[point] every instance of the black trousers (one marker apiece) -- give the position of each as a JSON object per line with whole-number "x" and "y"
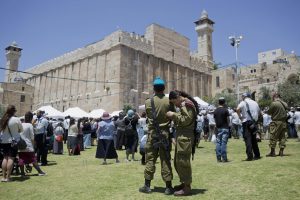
{"x": 65, "y": 136}
{"x": 120, "y": 139}
{"x": 250, "y": 142}
{"x": 41, "y": 148}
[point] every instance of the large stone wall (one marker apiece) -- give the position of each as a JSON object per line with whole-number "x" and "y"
{"x": 139, "y": 69}
{"x": 80, "y": 83}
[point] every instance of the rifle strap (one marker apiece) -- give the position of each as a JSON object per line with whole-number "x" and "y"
{"x": 248, "y": 111}
{"x": 156, "y": 125}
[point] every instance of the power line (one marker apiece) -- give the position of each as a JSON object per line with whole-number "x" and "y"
{"x": 94, "y": 81}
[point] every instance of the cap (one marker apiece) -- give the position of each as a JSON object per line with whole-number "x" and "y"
{"x": 246, "y": 94}
{"x": 221, "y": 98}
{"x": 158, "y": 81}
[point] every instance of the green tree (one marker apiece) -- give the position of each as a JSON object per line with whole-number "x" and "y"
{"x": 216, "y": 65}
{"x": 208, "y": 99}
{"x": 265, "y": 99}
{"x": 127, "y": 107}
{"x": 290, "y": 92}
{"x": 229, "y": 96}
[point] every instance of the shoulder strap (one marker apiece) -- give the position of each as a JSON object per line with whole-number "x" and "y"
{"x": 156, "y": 125}
{"x": 248, "y": 111}
{"x": 282, "y": 105}
{"x": 10, "y": 132}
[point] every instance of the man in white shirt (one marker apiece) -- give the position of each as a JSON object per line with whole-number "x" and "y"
{"x": 266, "y": 123}
{"x": 66, "y": 128}
{"x": 248, "y": 111}
{"x": 40, "y": 126}
{"x": 236, "y": 123}
{"x": 297, "y": 122}
{"x": 291, "y": 123}
{"x": 212, "y": 124}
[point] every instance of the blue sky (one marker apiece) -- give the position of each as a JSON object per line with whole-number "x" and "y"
{"x": 48, "y": 28}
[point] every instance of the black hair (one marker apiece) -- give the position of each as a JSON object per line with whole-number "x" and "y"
{"x": 72, "y": 121}
{"x": 176, "y": 93}
{"x": 10, "y": 112}
{"x": 159, "y": 88}
{"x": 221, "y": 102}
{"x": 28, "y": 117}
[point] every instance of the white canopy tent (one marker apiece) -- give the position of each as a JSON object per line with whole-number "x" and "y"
{"x": 51, "y": 112}
{"x": 201, "y": 102}
{"x": 75, "y": 113}
{"x": 116, "y": 113}
{"x": 97, "y": 113}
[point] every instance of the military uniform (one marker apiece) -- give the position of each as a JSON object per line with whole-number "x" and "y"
{"x": 185, "y": 124}
{"x": 278, "y": 126}
{"x": 162, "y": 106}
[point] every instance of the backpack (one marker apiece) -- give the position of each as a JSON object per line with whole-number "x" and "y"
{"x": 129, "y": 126}
{"x": 198, "y": 127}
{"x": 129, "y": 131}
{"x": 49, "y": 130}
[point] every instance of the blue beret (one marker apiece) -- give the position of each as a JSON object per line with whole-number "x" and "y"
{"x": 158, "y": 81}
{"x": 130, "y": 113}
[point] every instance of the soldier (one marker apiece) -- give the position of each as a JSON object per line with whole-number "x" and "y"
{"x": 184, "y": 121}
{"x": 162, "y": 106}
{"x": 278, "y": 126}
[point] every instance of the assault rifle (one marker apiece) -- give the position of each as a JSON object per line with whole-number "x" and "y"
{"x": 159, "y": 140}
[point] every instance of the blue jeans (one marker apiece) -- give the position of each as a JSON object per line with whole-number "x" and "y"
{"x": 221, "y": 146}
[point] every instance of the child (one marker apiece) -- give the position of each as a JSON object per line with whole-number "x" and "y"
{"x": 142, "y": 148}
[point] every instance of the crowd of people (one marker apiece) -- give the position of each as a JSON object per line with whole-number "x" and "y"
{"x": 176, "y": 121}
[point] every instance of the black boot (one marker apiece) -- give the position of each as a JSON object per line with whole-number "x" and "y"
{"x": 179, "y": 187}
{"x": 146, "y": 187}
{"x": 169, "y": 189}
{"x": 272, "y": 153}
{"x": 281, "y": 152}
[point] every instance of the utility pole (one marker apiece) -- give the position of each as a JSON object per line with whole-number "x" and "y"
{"x": 235, "y": 42}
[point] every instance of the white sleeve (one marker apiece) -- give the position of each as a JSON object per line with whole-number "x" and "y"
{"x": 31, "y": 132}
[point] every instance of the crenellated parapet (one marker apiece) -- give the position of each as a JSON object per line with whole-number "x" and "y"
{"x": 136, "y": 41}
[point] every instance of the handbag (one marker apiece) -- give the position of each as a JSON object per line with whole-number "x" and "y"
{"x": 17, "y": 145}
{"x": 59, "y": 138}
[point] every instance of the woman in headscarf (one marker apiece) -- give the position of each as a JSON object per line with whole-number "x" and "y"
{"x": 10, "y": 129}
{"x": 131, "y": 134}
{"x": 58, "y": 147}
{"x": 105, "y": 132}
{"x": 185, "y": 121}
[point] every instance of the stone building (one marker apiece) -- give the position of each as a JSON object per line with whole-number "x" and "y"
{"x": 120, "y": 68}
{"x": 18, "y": 94}
{"x": 269, "y": 72}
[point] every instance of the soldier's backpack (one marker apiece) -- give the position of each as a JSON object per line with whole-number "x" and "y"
{"x": 129, "y": 131}
{"x": 49, "y": 130}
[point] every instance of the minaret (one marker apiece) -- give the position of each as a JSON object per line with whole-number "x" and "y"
{"x": 13, "y": 53}
{"x": 204, "y": 28}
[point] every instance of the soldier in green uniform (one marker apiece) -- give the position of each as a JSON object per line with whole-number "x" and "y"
{"x": 185, "y": 126}
{"x": 278, "y": 126}
{"x": 162, "y": 106}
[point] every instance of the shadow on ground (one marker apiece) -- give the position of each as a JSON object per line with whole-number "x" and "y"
{"x": 195, "y": 191}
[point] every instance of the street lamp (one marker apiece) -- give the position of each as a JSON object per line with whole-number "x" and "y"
{"x": 235, "y": 42}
